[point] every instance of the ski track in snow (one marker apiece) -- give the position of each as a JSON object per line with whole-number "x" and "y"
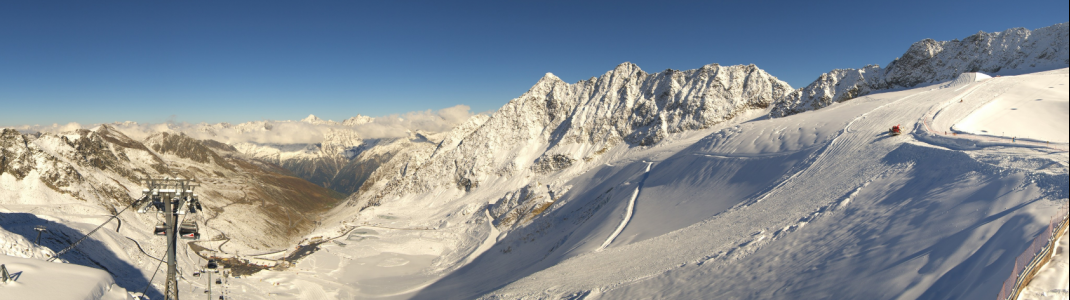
{"x": 628, "y": 213}
{"x": 310, "y": 291}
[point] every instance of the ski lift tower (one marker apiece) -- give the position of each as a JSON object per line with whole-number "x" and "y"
{"x": 171, "y": 196}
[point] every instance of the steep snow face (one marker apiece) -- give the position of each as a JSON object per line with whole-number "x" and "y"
{"x": 929, "y": 61}
{"x": 556, "y": 124}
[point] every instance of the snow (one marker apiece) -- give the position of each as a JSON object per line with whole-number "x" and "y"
{"x": 633, "y": 185}
{"x": 627, "y": 213}
{"x": 821, "y": 204}
{"x": 1011, "y": 52}
{"x": 1052, "y": 281}
{"x": 1037, "y": 100}
{"x": 789, "y": 216}
{"x": 38, "y": 279}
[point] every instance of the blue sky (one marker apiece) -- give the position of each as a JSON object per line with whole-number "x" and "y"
{"x": 235, "y": 61}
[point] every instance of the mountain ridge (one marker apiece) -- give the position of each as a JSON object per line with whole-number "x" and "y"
{"x": 929, "y": 61}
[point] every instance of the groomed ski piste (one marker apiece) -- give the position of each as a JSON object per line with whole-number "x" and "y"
{"x": 819, "y": 205}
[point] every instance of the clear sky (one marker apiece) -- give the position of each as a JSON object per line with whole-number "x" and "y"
{"x": 236, "y": 61}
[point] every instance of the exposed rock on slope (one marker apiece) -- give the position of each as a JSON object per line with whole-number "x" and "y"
{"x": 555, "y": 123}
{"x": 929, "y": 61}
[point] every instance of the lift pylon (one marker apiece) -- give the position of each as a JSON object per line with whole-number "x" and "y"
{"x": 171, "y": 197}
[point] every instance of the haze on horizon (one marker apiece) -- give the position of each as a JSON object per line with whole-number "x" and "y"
{"x": 239, "y": 61}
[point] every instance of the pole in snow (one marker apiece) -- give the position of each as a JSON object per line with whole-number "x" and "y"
{"x": 40, "y": 229}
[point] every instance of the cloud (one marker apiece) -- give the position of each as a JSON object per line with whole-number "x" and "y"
{"x": 394, "y": 126}
{"x": 54, "y": 128}
{"x": 291, "y": 132}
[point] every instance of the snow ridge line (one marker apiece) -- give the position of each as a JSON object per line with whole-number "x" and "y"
{"x": 628, "y": 213}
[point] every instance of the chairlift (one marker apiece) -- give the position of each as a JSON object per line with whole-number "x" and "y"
{"x": 196, "y": 274}
{"x": 211, "y": 264}
{"x": 189, "y": 230}
{"x": 218, "y": 281}
{"x": 161, "y": 228}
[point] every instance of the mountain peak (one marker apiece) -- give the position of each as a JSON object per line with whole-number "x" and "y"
{"x": 548, "y": 79}
{"x": 626, "y": 68}
{"x": 311, "y": 119}
{"x": 357, "y": 120}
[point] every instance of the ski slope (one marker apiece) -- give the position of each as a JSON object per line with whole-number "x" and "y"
{"x": 819, "y": 205}
{"x": 38, "y": 279}
{"x": 1032, "y": 109}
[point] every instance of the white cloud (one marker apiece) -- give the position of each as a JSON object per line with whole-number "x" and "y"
{"x": 290, "y": 132}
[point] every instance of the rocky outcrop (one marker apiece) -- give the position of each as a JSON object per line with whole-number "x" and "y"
{"x": 554, "y": 123}
{"x": 929, "y": 61}
{"x": 185, "y": 147}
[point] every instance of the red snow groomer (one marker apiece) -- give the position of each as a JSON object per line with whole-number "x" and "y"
{"x": 895, "y": 131}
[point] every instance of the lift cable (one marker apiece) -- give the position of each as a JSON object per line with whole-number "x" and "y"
{"x": 153, "y": 277}
{"x": 75, "y": 244}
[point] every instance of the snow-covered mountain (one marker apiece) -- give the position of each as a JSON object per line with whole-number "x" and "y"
{"x": 81, "y": 175}
{"x": 674, "y": 184}
{"x": 320, "y": 162}
{"x": 556, "y": 125}
{"x": 551, "y": 170}
{"x": 324, "y": 152}
{"x": 929, "y": 61}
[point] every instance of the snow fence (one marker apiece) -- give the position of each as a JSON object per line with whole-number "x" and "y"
{"x": 1039, "y": 253}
